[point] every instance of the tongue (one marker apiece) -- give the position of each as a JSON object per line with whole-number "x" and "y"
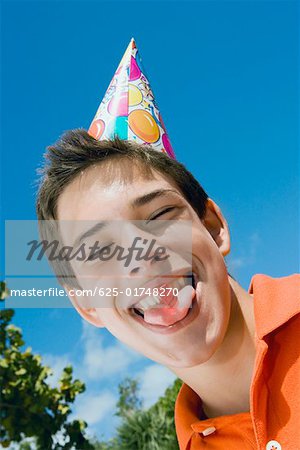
{"x": 171, "y": 309}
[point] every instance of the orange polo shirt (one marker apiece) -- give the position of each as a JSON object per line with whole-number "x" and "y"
{"x": 273, "y": 422}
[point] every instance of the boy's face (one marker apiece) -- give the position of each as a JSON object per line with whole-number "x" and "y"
{"x": 176, "y": 337}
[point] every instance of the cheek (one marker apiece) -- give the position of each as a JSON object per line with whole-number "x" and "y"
{"x": 121, "y": 329}
{"x": 212, "y": 265}
{"x": 113, "y": 322}
{"x": 216, "y": 305}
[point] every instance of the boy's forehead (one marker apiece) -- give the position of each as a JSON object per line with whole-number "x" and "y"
{"x": 97, "y": 195}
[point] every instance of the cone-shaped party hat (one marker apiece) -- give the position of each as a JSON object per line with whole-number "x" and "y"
{"x": 128, "y": 109}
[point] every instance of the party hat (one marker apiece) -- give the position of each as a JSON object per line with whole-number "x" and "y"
{"x": 128, "y": 109}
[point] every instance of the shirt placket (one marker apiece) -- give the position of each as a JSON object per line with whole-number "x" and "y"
{"x": 258, "y": 397}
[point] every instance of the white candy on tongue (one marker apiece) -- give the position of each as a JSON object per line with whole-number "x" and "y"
{"x": 171, "y": 309}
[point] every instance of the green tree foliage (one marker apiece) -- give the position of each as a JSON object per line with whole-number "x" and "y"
{"x": 151, "y": 429}
{"x": 129, "y": 401}
{"x": 144, "y": 429}
{"x": 29, "y": 406}
{"x": 4, "y": 292}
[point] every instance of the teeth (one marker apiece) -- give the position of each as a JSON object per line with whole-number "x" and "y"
{"x": 150, "y": 302}
{"x": 180, "y": 283}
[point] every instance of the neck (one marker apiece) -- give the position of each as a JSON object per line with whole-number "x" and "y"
{"x": 223, "y": 382}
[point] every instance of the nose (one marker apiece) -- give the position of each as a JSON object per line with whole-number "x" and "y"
{"x": 141, "y": 269}
{"x": 144, "y": 254}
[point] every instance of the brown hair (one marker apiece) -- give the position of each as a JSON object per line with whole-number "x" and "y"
{"x": 76, "y": 151}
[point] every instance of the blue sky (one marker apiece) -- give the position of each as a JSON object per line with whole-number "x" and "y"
{"x": 225, "y": 78}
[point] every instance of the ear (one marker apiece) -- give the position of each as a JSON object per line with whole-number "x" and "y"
{"x": 89, "y": 314}
{"x": 216, "y": 225}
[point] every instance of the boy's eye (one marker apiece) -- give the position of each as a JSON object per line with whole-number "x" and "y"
{"x": 161, "y": 213}
{"x": 96, "y": 254}
{"x": 158, "y": 223}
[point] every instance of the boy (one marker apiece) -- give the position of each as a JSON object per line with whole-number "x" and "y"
{"x": 237, "y": 352}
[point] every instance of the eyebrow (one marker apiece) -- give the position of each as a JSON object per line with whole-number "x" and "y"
{"x": 97, "y": 227}
{"x": 147, "y": 198}
{"x": 136, "y": 203}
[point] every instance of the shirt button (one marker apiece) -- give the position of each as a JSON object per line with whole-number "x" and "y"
{"x": 208, "y": 431}
{"x": 273, "y": 445}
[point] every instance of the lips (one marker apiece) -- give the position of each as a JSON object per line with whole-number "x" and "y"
{"x": 164, "y": 311}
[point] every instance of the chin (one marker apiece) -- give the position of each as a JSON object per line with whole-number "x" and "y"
{"x": 188, "y": 358}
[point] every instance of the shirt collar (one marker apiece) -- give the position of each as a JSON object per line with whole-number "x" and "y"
{"x": 276, "y": 300}
{"x": 188, "y": 409}
{"x": 187, "y": 412}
